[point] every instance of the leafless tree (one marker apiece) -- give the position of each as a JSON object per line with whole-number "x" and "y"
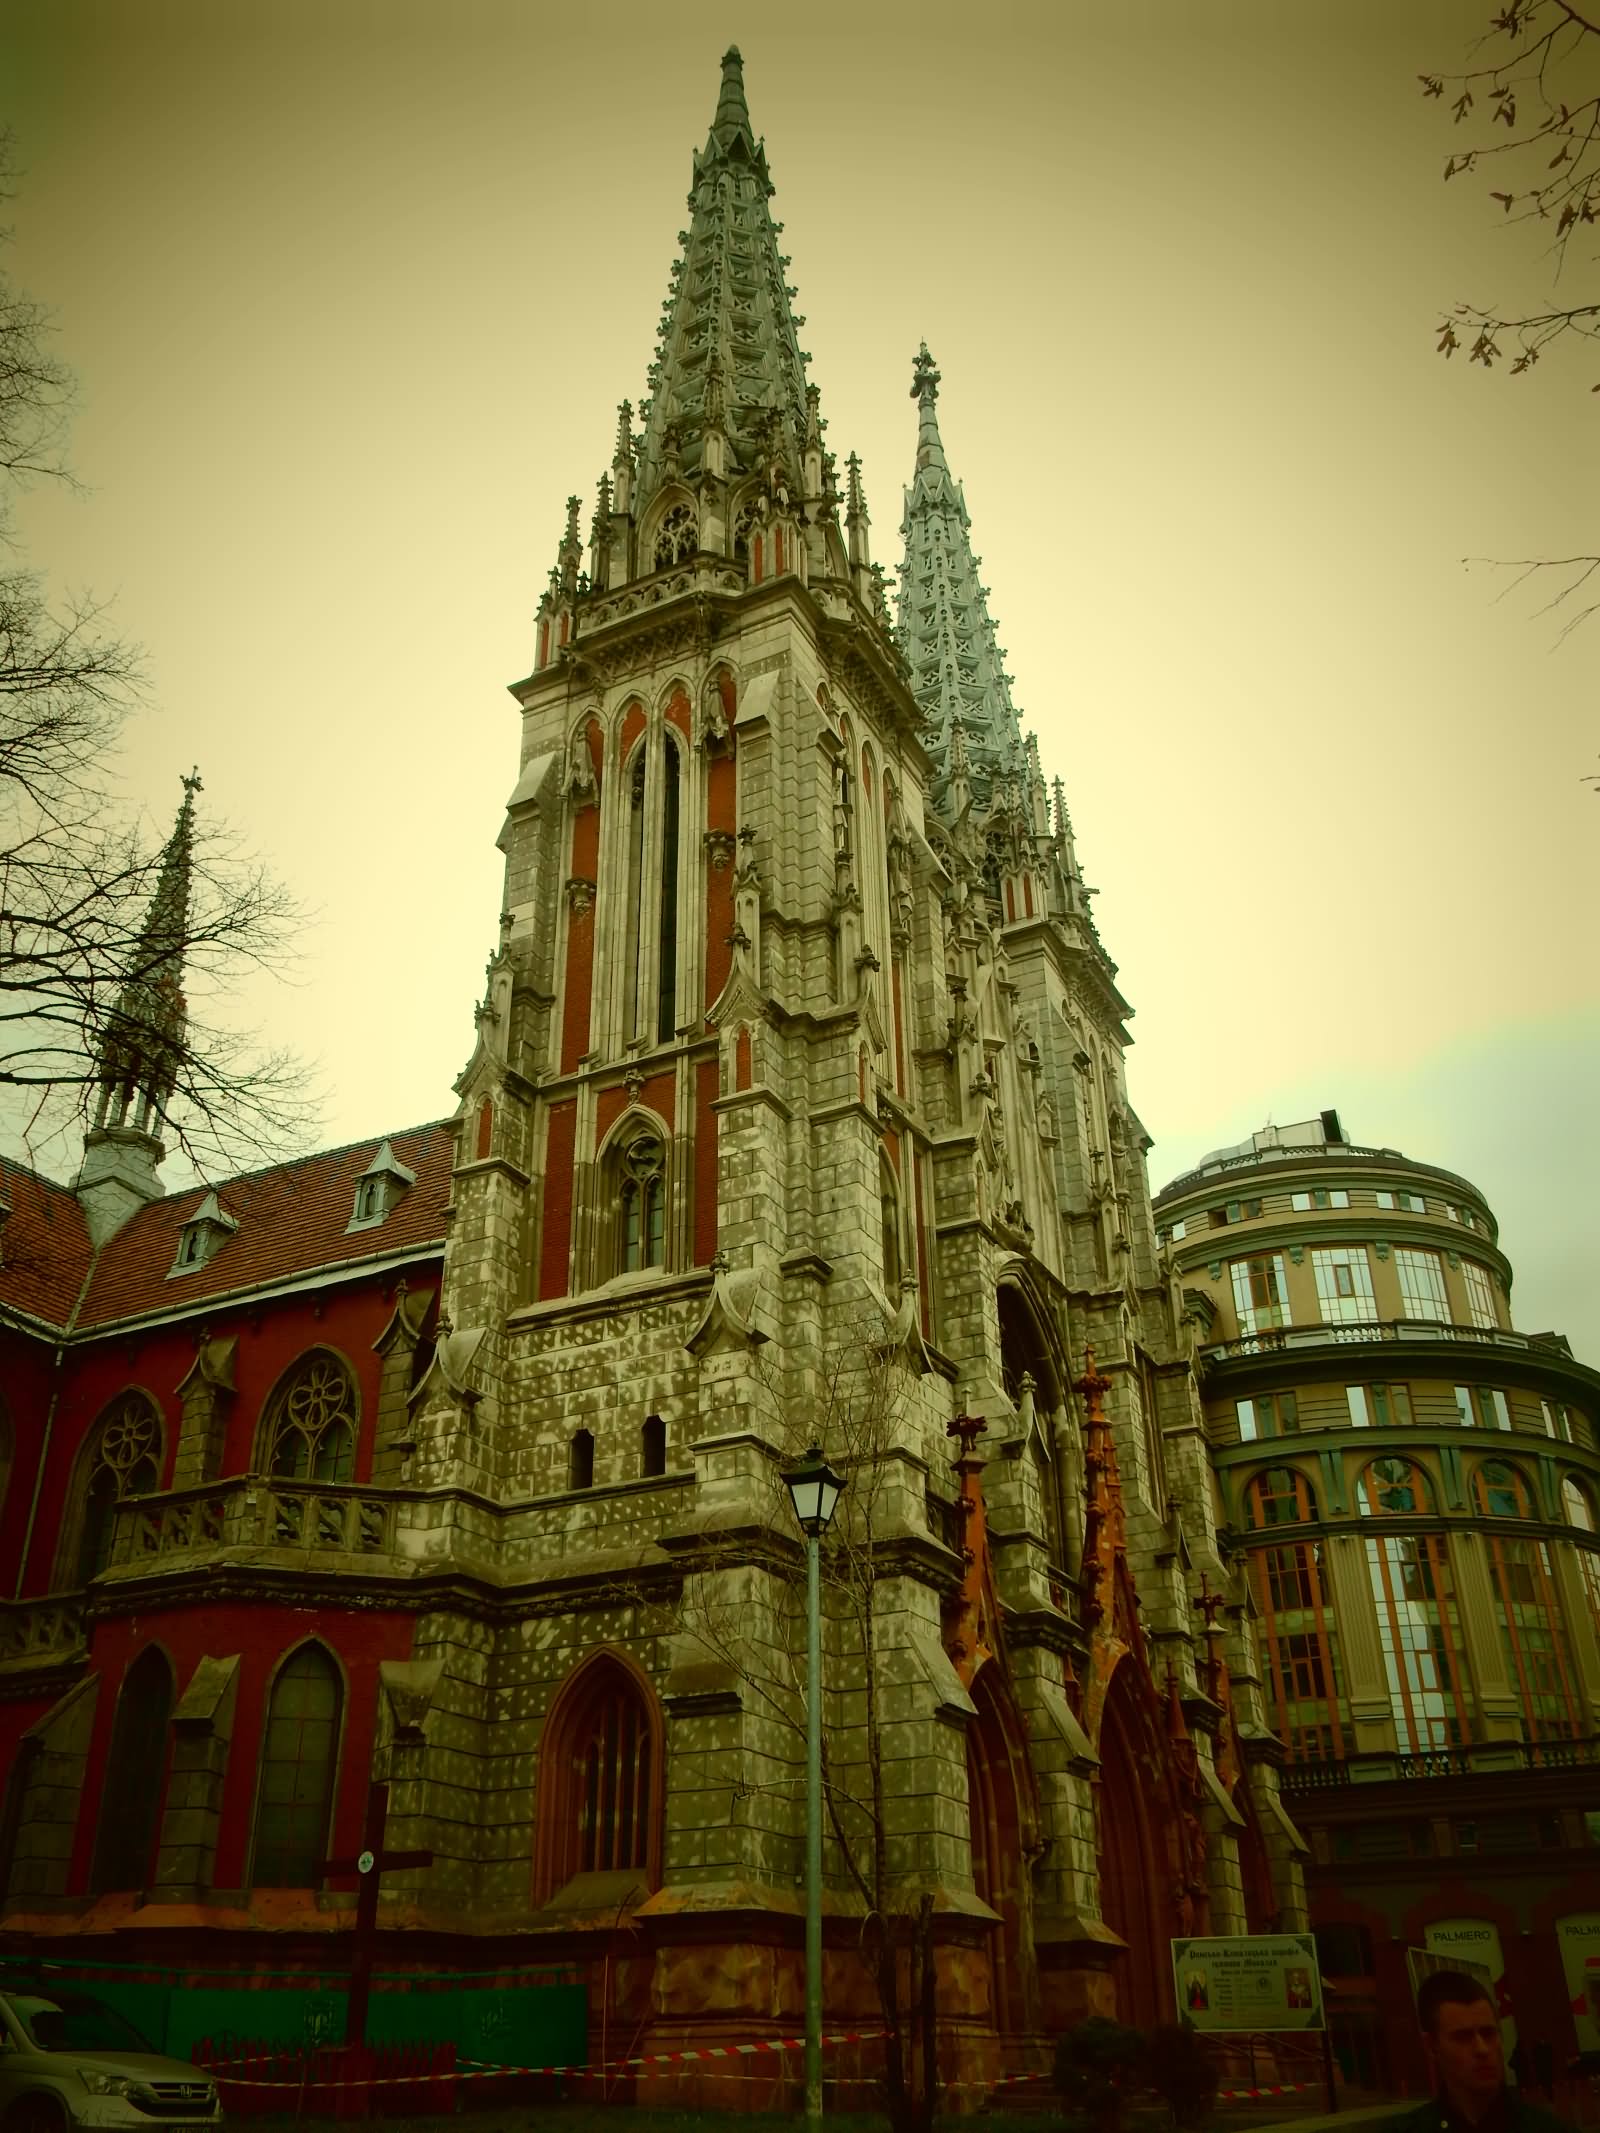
{"x": 1529, "y": 100}
{"x": 79, "y": 962}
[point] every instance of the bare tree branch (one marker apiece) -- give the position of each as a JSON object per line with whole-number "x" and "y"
{"x": 78, "y": 963}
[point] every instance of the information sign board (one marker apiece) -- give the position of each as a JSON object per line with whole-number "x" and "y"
{"x": 1254, "y": 1981}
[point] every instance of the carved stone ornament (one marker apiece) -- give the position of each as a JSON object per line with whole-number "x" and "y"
{"x": 720, "y": 846}
{"x": 580, "y": 895}
{"x": 713, "y": 735}
{"x": 580, "y": 770}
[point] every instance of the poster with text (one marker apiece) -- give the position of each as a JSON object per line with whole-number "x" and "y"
{"x": 1579, "y": 1938}
{"x": 1254, "y": 1981}
{"x": 1477, "y": 1941}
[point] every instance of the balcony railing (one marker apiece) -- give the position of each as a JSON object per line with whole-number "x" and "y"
{"x": 1307, "y": 1152}
{"x": 252, "y": 1511}
{"x": 1282, "y": 1340}
{"x": 1483, "y": 1757}
{"x": 39, "y": 1629}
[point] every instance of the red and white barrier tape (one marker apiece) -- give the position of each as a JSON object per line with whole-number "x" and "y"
{"x": 490, "y": 2069}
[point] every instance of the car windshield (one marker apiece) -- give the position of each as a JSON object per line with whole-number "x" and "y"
{"x": 72, "y": 2022}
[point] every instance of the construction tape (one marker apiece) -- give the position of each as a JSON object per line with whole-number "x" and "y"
{"x": 490, "y": 2069}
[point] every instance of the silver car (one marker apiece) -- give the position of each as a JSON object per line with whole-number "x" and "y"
{"x": 69, "y": 2060}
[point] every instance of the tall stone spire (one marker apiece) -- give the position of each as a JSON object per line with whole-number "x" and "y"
{"x": 141, "y": 1046}
{"x": 728, "y": 357}
{"x": 946, "y": 634}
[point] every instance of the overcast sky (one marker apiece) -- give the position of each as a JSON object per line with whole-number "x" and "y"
{"x": 352, "y": 292}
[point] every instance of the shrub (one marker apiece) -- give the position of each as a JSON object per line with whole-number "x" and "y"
{"x": 1181, "y": 2071}
{"x": 1097, "y": 2063}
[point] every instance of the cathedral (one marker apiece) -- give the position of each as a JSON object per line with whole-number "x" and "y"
{"x": 445, "y": 1471}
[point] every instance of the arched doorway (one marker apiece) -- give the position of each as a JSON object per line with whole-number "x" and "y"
{"x": 1132, "y": 1863}
{"x": 1003, "y": 1825}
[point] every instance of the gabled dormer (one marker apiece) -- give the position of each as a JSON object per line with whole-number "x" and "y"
{"x": 381, "y": 1186}
{"x": 202, "y": 1236}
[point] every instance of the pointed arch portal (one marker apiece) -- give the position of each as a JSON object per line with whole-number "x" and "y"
{"x": 1003, "y": 1827}
{"x": 1132, "y": 1862}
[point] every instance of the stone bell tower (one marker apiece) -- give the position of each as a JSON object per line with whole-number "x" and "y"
{"x": 796, "y": 1114}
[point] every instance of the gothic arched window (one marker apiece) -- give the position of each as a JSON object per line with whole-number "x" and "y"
{"x": 677, "y": 537}
{"x": 652, "y": 1446}
{"x": 122, "y": 1459}
{"x": 130, "y": 1800}
{"x": 650, "y": 930}
{"x": 1281, "y": 1496}
{"x": 1391, "y": 1487}
{"x": 599, "y": 1807}
{"x": 889, "y": 1226}
{"x": 299, "y": 1759}
{"x": 310, "y": 1433}
{"x": 642, "y": 1204}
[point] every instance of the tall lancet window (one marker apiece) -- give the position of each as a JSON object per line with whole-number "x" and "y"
{"x": 650, "y": 943}
{"x": 667, "y": 957}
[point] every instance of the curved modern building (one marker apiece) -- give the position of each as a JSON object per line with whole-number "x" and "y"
{"x": 1410, "y": 1489}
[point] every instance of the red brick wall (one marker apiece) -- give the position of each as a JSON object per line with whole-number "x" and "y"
{"x": 557, "y": 1242}
{"x": 262, "y": 1636}
{"x": 270, "y": 1336}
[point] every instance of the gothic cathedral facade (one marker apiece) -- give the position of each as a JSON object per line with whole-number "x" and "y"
{"x": 797, "y": 1113}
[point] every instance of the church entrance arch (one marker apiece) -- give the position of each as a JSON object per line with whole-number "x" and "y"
{"x": 1003, "y": 1826}
{"x": 1132, "y": 1860}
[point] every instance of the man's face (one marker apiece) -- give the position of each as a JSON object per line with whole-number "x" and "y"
{"x": 1466, "y": 2051}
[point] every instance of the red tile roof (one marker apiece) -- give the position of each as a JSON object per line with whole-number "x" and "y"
{"x": 292, "y": 1220}
{"x": 44, "y": 1244}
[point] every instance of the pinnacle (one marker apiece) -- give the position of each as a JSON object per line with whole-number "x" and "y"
{"x": 733, "y": 114}
{"x": 728, "y": 357}
{"x": 925, "y": 391}
{"x": 946, "y": 632}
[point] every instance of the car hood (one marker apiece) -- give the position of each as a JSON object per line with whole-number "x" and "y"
{"x": 133, "y": 2066}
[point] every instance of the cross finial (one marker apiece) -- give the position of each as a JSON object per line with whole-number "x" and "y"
{"x": 191, "y": 783}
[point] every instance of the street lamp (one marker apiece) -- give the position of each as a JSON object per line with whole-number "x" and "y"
{"x": 814, "y": 1490}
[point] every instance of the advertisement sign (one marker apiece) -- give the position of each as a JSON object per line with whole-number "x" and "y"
{"x": 1255, "y": 1981}
{"x": 1465, "y": 1941}
{"x": 1579, "y": 1939}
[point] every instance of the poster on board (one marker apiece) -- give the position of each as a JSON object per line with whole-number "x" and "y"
{"x": 1254, "y": 1981}
{"x": 1579, "y": 1938}
{"x": 1465, "y": 1941}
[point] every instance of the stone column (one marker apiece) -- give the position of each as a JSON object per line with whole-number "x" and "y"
{"x": 1355, "y": 1616}
{"x": 1498, "y": 1704}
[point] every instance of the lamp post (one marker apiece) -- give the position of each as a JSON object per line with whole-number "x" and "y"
{"x": 814, "y": 1490}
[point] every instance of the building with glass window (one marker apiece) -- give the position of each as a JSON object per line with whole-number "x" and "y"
{"x": 1409, "y": 1487}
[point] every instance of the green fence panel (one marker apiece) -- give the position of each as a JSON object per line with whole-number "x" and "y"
{"x": 273, "y": 2016}
{"x": 527, "y": 2025}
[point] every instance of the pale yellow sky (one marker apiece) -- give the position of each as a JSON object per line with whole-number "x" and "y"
{"x": 353, "y": 291}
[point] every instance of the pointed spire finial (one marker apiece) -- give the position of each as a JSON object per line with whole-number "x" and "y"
{"x": 733, "y": 113}
{"x": 925, "y": 391}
